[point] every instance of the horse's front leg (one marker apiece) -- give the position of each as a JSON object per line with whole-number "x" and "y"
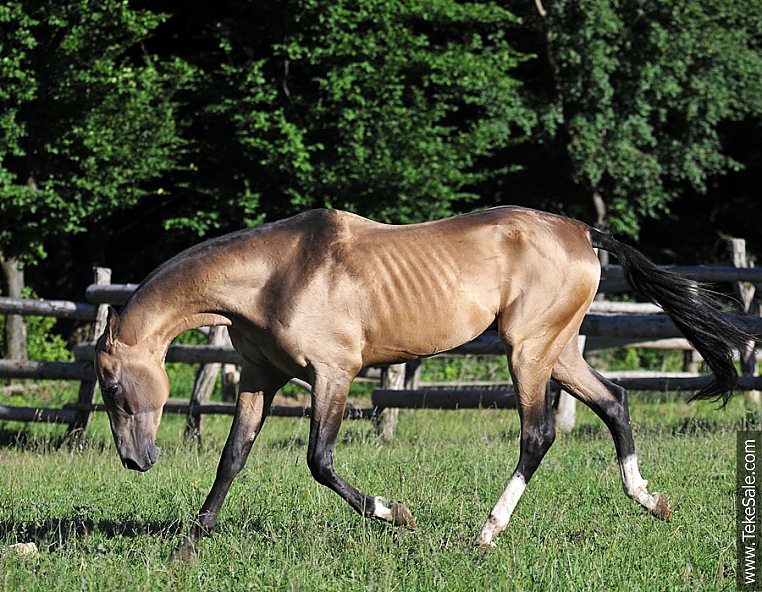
{"x": 257, "y": 389}
{"x": 329, "y": 396}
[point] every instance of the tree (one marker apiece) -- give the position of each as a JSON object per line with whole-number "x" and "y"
{"x": 634, "y": 95}
{"x": 407, "y": 98}
{"x": 86, "y": 121}
{"x": 387, "y": 108}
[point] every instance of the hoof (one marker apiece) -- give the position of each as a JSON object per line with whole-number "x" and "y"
{"x": 401, "y": 516}
{"x": 185, "y": 553}
{"x": 662, "y": 509}
{"x": 481, "y": 543}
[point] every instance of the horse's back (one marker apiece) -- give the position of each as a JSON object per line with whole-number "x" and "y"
{"x": 420, "y": 289}
{"x": 330, "y": 284}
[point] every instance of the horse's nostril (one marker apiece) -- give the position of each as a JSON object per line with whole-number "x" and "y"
{"x": 154, "y": 452}
{"x": 129, "y": 463}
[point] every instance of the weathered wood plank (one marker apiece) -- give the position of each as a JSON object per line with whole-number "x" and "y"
{"x": 700, "y": 273}
{"x": 28, "y": 414}
{"x": 62, "y": 309}
{"x": 184, "y": 407}
{"x": 109, "y": 293}
{"x": 443, "y": 399}
{"x": 23, "y": 369}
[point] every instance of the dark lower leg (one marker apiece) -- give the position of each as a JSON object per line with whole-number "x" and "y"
{"x": 251, "y": 410}
{"x": 610, "y": 403}
{"x": 328, "y": 402}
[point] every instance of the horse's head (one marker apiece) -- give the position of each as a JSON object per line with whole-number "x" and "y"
{"x": 134, "y": 387}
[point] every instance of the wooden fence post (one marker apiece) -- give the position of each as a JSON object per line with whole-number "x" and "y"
{"x": 88, "y": 388}
{"x": 566, "y": 405}
{"x": 747, "y": 294}
{"x": 396, "y": 378}
{"x": 392, "y": 378}
{"x": 206, "y": 378}
{"x": 230, "y": 379}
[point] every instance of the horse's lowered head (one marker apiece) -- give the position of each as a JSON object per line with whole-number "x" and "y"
{"x": 134, "y": 387}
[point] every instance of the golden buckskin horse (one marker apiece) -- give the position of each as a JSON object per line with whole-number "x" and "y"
{"x": 325, "y": 293}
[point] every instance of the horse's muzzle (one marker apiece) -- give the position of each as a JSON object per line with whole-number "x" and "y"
{"x": 142, "y": 462}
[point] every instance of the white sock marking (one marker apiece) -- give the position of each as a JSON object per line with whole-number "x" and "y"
{"x": 634, "y": 485}
{"x": 382, "y": 509}
{"x": 502, "y": 512}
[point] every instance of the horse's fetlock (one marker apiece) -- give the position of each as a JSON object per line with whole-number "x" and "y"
{"x": 186, "y": 552}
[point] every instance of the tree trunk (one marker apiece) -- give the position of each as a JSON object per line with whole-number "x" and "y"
{"x": 15, "y": 327}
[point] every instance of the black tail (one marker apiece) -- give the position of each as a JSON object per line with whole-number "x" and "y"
{"x": 693, "y": 313}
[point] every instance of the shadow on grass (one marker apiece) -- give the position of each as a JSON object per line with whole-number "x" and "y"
{"x": 55, "y": 532}
{"x": 28, "y": 439}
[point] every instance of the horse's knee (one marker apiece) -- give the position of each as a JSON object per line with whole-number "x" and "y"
{"x": 536, "y": 440}
{"x": 321, "y": 466}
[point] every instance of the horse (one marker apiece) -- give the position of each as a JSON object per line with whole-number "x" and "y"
{"x": 325, "y": 293}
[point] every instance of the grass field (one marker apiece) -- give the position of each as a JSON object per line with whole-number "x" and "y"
{"x": 100, "y": 527}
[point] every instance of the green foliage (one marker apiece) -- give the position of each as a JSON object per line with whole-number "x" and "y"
{"x": 220, "y": 115}
{"x": 642, "y": 89}
{"x": 385, "y": 108}
{"x": 473, "y": 368}
{"x": 408, "y": 96}
{"x": 43, "y": 343}
{"x": 87, "y": 119}
{"x": 633, "y": 358}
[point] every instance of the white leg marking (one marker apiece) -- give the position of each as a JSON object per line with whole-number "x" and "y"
{"x": 634, "y": 485}
{"x": 632, "y": 482}
{"x": 500, "y": 515}
{"x": 383, "y": 509}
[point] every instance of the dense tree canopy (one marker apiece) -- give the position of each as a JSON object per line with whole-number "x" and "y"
{"x": 145, "y": 125}
{"x": 642, "y": 88}
{"x": 86, "y": 122}
{"x": 381, "y": 107}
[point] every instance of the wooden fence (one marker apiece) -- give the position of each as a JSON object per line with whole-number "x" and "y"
{"x": 607, "y": 324}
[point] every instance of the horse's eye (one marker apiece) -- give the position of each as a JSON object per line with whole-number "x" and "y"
{"x": 111, "y": 390}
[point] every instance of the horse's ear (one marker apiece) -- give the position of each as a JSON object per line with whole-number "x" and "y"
{"x": 112, "y": 327}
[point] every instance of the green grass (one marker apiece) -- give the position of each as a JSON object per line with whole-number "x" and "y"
{"x": 100, "y": 527}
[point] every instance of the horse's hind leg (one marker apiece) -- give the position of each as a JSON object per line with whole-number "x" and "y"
{"x": 609, "y": 402}
{"x": 329, "y": 395}
{"x": 537, "y": 435}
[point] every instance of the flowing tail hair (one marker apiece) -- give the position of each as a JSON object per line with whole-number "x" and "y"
{"x": 695, "y": 315}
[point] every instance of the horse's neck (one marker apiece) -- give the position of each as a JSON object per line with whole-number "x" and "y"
{"x": 153, "y": 320}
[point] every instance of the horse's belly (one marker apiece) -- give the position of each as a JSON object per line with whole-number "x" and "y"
{"x": 423, "y": 331}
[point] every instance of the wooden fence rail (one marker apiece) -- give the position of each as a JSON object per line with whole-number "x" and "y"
{"x": 606, "y": 324}
{"x": 632, "y": 328}
{"x": 62, "y": 309}
{"x": 26, "y": 369}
